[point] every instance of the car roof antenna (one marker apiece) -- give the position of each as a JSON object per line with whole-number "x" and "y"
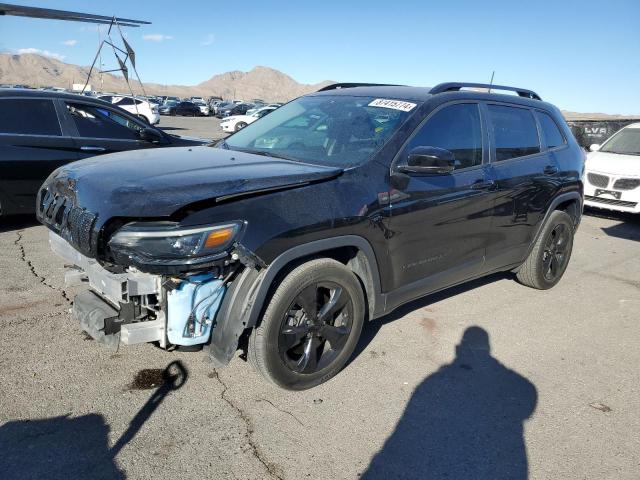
{"x": 491, "y": 81}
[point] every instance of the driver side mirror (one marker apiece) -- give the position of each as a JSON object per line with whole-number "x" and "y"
{"x": 427, "y": 161}
{"x": 150, "y": 135}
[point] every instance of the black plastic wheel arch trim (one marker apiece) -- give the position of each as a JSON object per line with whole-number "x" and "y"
{"x": 245, "y": 299}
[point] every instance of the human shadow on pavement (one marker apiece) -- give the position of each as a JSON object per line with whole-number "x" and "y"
{"x": 67, "y": 447}
{"x": 463, "y": 421}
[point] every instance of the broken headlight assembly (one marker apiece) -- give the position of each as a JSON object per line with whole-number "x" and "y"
{"x": 165, "y": 243}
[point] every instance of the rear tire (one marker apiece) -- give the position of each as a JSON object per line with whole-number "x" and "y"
{"x": 550, "y": 256}
{"x": 317, "y": 302}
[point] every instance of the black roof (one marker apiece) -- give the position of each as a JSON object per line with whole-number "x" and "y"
{"x": 402, "y": 92}
{"x": 422, "y": 94}
{"x": 30, "y": 93}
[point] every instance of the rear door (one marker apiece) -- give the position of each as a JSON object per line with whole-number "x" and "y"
{"x": 526, "y": 176}
{"x": 99, "y": 129}
{"x": 32, "y": 145}
{"x": 439, "y": 223}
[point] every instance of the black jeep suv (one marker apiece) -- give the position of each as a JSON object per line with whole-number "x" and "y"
{"x": 334, "y": 209}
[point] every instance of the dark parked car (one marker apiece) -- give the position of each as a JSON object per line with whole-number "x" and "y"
{"x": 233, "y": 109}
{"x": 43, "y": 130}
{"x": 187, "y": 109}
{"x": 334, "y": 209}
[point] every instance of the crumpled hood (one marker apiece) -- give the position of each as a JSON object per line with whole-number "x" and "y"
{"x": 613, "y": 164}
{"x": 157, "y": 182}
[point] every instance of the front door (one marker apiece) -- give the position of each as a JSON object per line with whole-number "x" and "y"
{"x": 103, "y": 130}
{"x": 439, "y": 223}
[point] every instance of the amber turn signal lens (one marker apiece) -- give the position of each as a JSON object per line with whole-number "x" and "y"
{"x": 219, "y": 237}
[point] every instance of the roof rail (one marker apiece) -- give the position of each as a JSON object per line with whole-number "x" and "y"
{"x": 337, "y": 86}
{"x": 456, "y": 86}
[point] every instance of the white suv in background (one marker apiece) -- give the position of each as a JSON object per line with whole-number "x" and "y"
{"x": 238, "y": 122}
{"x": 613, "y": 172}
{"x": 137, "y": 106}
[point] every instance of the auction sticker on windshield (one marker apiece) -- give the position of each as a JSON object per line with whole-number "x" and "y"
{"x": 394, "y": 104}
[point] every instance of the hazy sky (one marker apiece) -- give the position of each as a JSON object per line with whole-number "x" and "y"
{"x": 581, "y": 55}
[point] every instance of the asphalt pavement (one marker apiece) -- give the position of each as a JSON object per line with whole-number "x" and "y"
{"x": 488, "y": 380}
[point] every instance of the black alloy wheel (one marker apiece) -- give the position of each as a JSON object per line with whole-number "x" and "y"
{"x": 310, "y": 327}
{"x": 554, "y": 256}
{"x": 316, "y": 327}
{"x": 549, "y": 257}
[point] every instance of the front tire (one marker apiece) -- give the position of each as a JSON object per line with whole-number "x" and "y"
{"x": 550, "y": 256}
{"x": 240, "y": 126}
{"x": 311, "y": 326}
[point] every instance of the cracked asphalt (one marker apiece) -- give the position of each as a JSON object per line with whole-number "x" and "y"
{"x": 545, "y": 385}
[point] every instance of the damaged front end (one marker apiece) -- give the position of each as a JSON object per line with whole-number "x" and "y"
{"x": 177, "y": 308}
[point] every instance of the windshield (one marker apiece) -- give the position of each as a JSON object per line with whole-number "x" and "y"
{"x": 626, "y": 141}
{"x": 328, "y": 130}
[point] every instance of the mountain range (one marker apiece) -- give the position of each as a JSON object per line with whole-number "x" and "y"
{"x": 260, "y": 82}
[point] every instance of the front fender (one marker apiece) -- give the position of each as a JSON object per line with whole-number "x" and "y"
{"x": 245, "y": 299}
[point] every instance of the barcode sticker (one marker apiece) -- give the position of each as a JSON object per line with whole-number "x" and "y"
{"x": 394, "y": 104}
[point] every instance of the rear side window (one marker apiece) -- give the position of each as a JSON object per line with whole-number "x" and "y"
{"x": 550, "y": 130}
{"x": 515, "y": 132}
{"x": 455, "y": 128}
{"x": 99, "y": 122}
{"x": 28, "y": 116}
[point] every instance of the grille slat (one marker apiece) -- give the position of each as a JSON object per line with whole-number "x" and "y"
{"x": 598, "y": 180}
{"x": 73, "y": 223}
{"x": 627, "y": 183}
{"x": 611, "y": 201}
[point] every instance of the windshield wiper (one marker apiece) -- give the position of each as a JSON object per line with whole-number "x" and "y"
{"x": 265, "y": 153}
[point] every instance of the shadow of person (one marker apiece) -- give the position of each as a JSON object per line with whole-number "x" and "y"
{"x": 76, "y": 447}
{"x": 57, "y": 448}
{"x": 463, "y": 422}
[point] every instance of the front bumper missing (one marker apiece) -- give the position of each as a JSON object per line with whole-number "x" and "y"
{"x": 98, "y": 310}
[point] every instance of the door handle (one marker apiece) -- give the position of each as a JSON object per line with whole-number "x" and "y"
{"x": 89, "y": 148}
{"x": 550, "y": 170}
{"x": 483, "y": 185}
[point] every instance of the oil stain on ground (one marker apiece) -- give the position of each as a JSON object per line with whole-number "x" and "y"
{"x": 147, "y": 379}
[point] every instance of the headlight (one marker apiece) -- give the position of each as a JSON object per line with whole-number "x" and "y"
{"x": 170, "y": 244}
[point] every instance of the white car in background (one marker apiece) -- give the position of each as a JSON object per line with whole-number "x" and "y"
{"x": 612, "y": 172}
{"x": 204, "y": 108}
{"x": 254, "y": 110}
{"x": 238, "y": 122}
{"x": 139, "y": 107}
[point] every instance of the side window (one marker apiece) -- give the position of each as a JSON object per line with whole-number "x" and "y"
{"x": 124, "y": 101}
{"x": 515, "y": 132}
{"x": 456, "y": 128}
{"x": 552, "y": 135}
{"x": 28, "y": 116}
{"x": 98, "y": 122}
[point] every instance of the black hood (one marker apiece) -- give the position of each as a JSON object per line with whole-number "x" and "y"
{"x": 158, "y": 182}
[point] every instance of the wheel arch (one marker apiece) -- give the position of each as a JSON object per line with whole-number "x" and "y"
{"x": 570, "y": 202}
{"x": 247, "y": 296}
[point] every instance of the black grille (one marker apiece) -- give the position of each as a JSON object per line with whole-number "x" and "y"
{"x": 71, "y": 222}
{"x": 598, "y": 180}
{"x": 627, "y": 183}
{"x": 611, "y": 201}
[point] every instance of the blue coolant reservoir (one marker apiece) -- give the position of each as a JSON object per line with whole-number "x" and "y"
{"x": 192, "y": 309}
